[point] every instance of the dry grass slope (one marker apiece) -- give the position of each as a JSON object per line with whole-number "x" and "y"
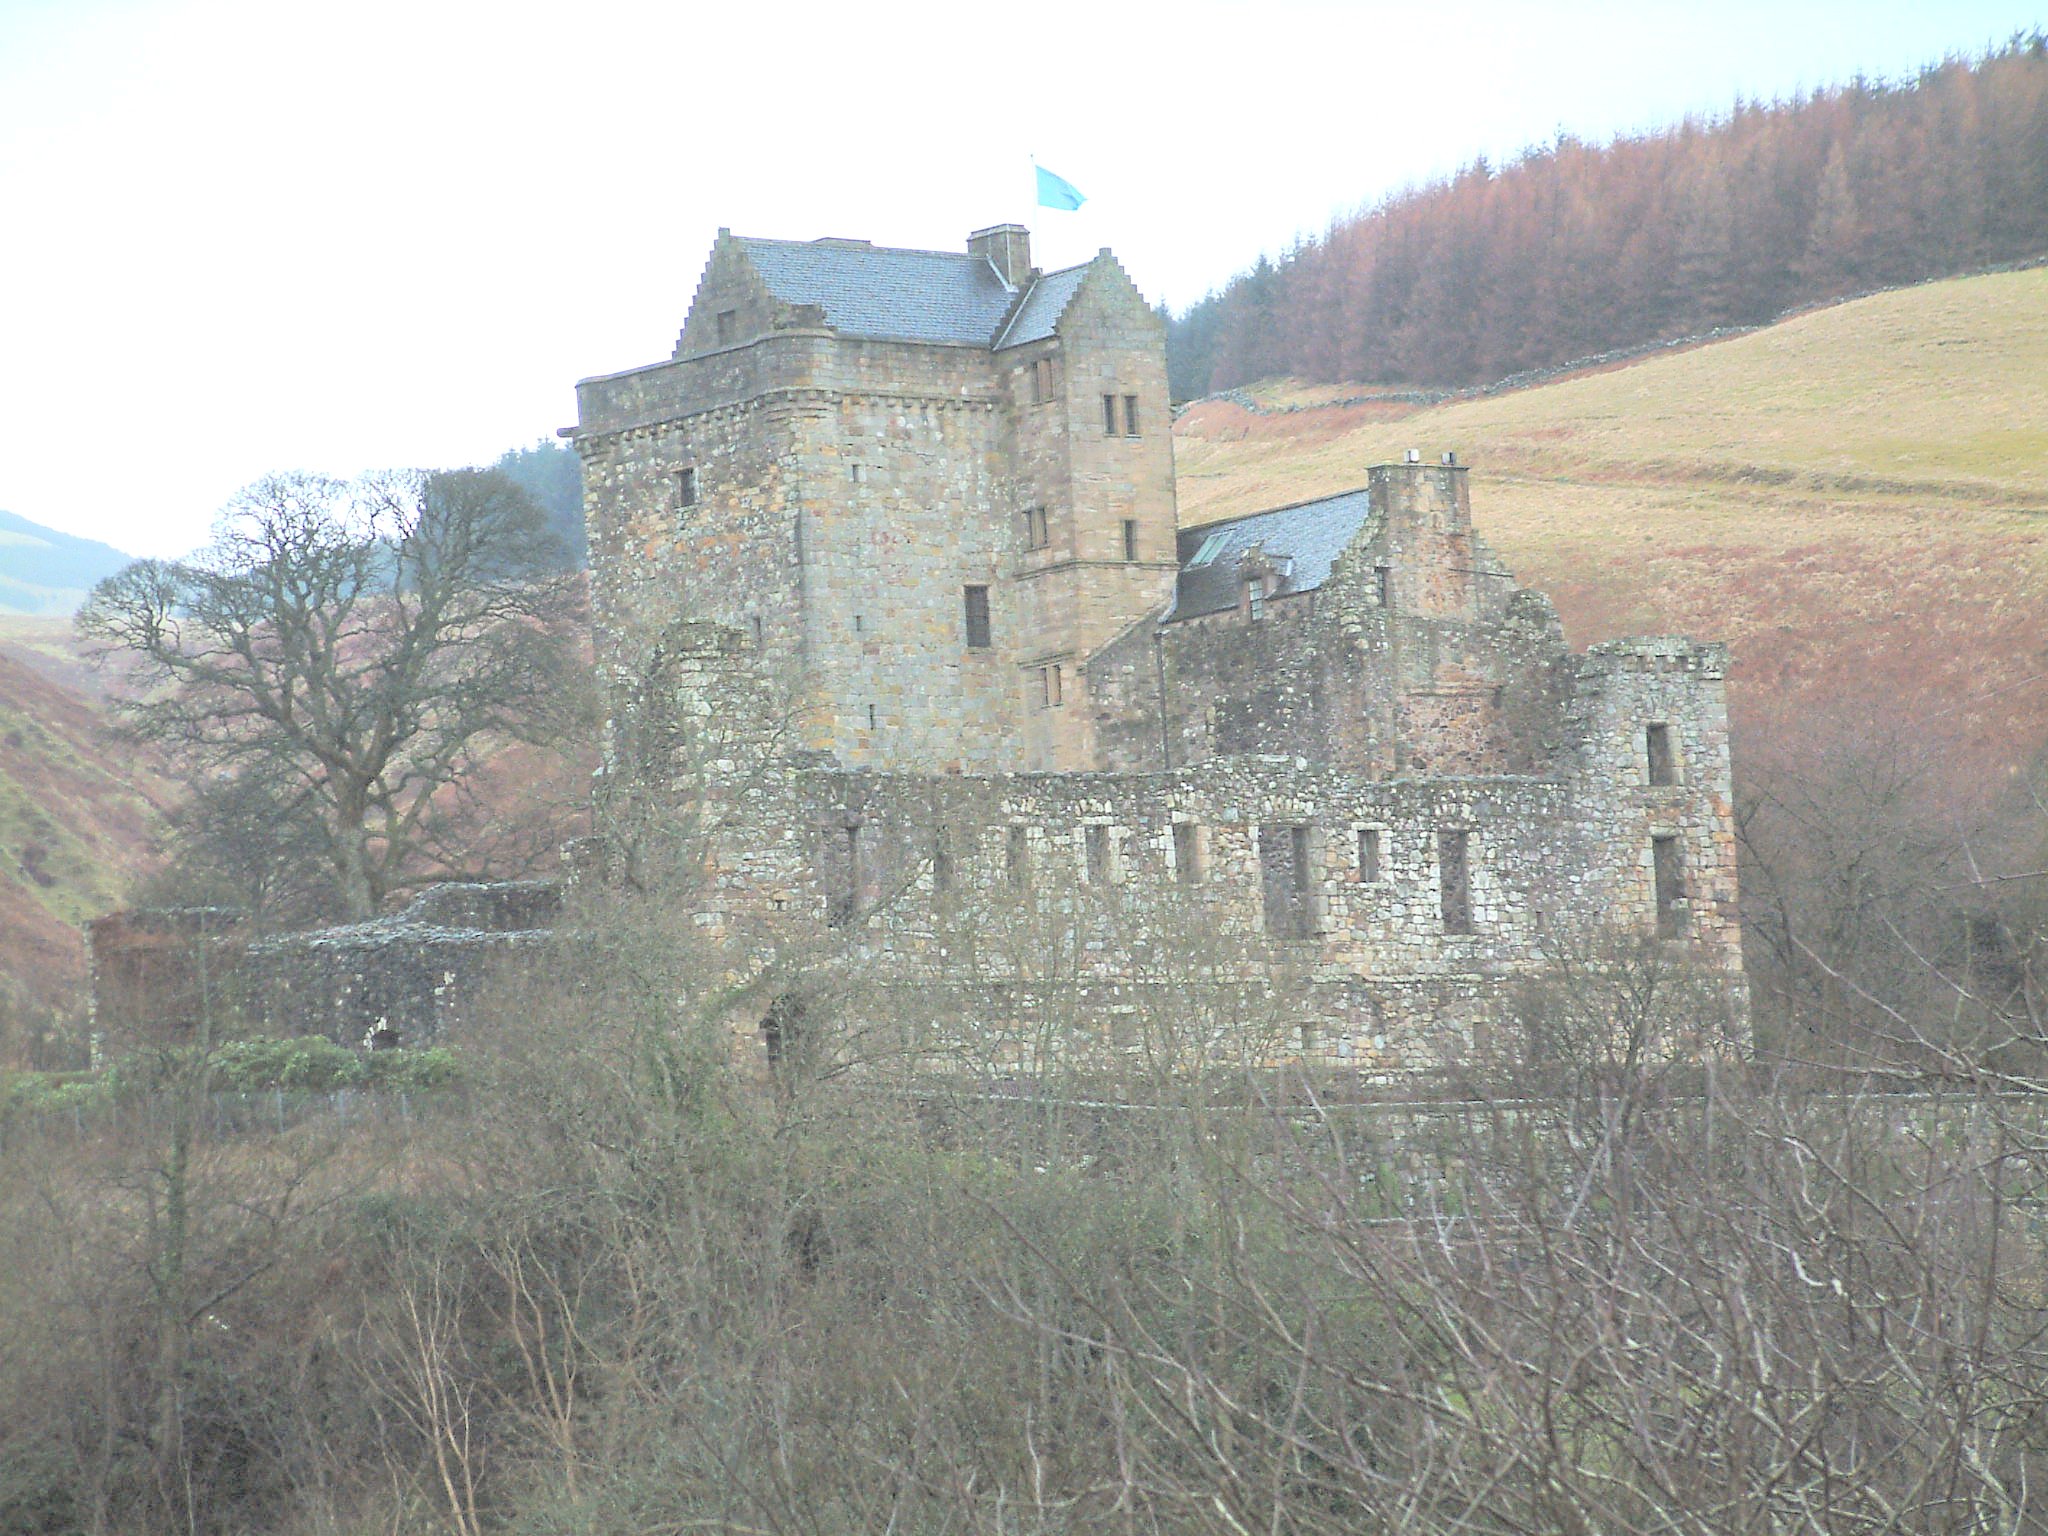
{"x": 1856, "y": 498}
{"x": 80, "y": 814}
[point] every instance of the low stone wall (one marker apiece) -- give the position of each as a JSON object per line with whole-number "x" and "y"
{"x": 403, "y": 979}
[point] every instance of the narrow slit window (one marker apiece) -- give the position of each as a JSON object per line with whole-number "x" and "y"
{"x": 1109, "y": 415}
{"x": 686, "y": 489}
{"x": 1368, "y": 855}
{"x": 942, "y": 866}
{"x": 1454, "y": 875}
{"x": 1669, "y": 878}
{"x": 1187, "y": 853}
{"x": 1130, "y": 538}
{"x": 1657, "y": 748}
{"x": 1035, "y": 529}
{"x": 871, "y": 717}
{"x": 1049, "y": 687}
{"x": 1017, "y": 857}
{"x": 976, "y": 600}
{"x": 1096, "y": 839}
{"x": 1382, "y": 586}
{"x": 1130, "y": 415}
{"x": 847, "y": 897}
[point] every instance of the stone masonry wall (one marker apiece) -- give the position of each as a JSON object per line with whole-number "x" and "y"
{"x": 1460, "y": 672}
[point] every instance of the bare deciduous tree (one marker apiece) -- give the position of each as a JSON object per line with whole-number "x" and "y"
{"x": 352, "y": 646}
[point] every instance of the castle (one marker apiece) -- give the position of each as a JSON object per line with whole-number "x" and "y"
{"x": 894, "y": 611}
{"x": 913, "y": 675}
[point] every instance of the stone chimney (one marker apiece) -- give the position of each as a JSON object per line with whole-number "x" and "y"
{"x": 1008, "y": 249}
{"x": 1427, "y": 510}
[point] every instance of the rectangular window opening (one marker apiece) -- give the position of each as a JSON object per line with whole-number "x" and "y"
{"x": 1096, "y": 840}
{"x": 1382, "y": 586}
{"x": 1041, "y": 381}
{"x": 976, "y": 600}
{"x": 1130, "y": 538}
{"x": 1017, "y": 858}
{"x": 847, "y": 897}
{"x": 942, "y": 865}
{"x": 871, "y": 717}
{"x": 1130, "y": 415}
{"x": 728, "y": 326}
{"x": 1255, "y": 598}
{"x": 1454, "y": 875}
{"x": 1657, "y": 747}
{"x": 1368, "y": 855}
{"x": 859, "y": 472}
{"x": 1670, "y": 884}
{"x": 1036, "y": 534}
{"x": 1284, "y": 880}
{"x": 686, "y": 488}
{"x": 1049, "y": 687}
{"x": 1308, "y": 1039}
{"x": 1109, "y": 415}
{"x": 1187, "y": 853}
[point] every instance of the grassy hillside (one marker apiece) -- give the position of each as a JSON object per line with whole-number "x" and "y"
{"x": 1856, "y": 498}
{"x": 80, "y": 815}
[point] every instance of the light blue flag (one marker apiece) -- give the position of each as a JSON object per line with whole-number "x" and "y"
{"x": 1057, "y": 191}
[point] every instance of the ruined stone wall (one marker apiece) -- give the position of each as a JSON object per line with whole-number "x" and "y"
{"x": 1457, "y": 671}
{"x": 1625, "y": 689}
{"x": 407, "y": 978}
{"x": 1107, "y": 884}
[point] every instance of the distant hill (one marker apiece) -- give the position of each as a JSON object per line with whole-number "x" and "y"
{"x": 43, "y": 571}
{"x": 1856, "y": 498}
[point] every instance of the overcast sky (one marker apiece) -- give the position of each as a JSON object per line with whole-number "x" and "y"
{"x": 241, "y": 237}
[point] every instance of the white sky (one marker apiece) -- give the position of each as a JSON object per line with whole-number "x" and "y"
{"x": 239, "y": 236}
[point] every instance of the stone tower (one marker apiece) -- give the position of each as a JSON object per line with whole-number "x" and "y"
{"x": 931, "y": 484}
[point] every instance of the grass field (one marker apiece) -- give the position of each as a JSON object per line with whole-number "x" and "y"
{"x": 1856, "y": 498}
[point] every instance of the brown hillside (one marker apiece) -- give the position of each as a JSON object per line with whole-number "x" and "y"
{"x": 1857, "y": 499}
{"x": 80, "y": 814}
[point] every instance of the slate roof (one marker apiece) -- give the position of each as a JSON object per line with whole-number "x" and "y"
{"x": 1043, "y": 306}
{"x": 898, "y": 295}
{"x": 868, "y": 290}
{"x": 1311, "y": 534}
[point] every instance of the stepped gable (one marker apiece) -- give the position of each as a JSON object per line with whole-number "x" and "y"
{"x": 1038, "y": 317}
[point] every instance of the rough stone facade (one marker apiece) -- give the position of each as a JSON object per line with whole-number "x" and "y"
{"x": 912, "y": 675}
{"x": 404, "y": 979}
{"x": 893, "y": 609}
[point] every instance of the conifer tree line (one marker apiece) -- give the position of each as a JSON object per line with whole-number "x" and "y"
{"x": 1577, "y": 249}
